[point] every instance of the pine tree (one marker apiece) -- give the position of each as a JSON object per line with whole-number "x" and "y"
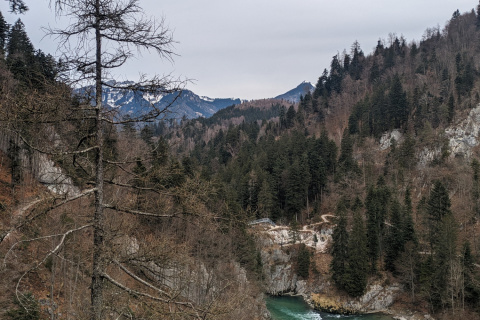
{"x": 320, "y": 88}
{"x": 477, "y": 22}
{"x": 20, "y": 52}
{"x": 4, "y": 27}
{"x": 357, "y": 261}
{"x": 356, "y": 66}
{"x": 318, "y": 170}
{"x": 394, "y": 242}
{"x": 283, "y": 117}
{"x": 383, "y": 197}
{"x": 294, "y": 190}
{"x": 476, "y": 186}
{"x": 406, "y": 157}
{"x": 17, "y": 6}
{"x": 265, "y": 200}
{"x": 471, "y": 288}
{"x": 408, "y": 226}
{"x": 450, "y": 109}
{"x": 372, "y": 206}
{"x": 374, "y": 72}
{"x": 437, "y": 206}
{"x": 329, "y": 151}
{"x": 303, "y": 261}
{"x": 336, "y": 75}
{"x": 346, "y": 162}
{"x": 290, "y": 117}
{"x": 376, "y": 203}
{"x": 338, "y": 266}
{"x": 398, "y": 105}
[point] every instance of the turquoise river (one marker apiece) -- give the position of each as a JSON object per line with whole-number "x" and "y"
{"x": 295, "y": 308}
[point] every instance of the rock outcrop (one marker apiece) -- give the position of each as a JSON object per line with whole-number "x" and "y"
{"x": 280, "y": 277}
{"x": 461, "y": 138}
{"x": 39, "y": 165}
{"x": 278, "y": 272}
{"x": 464, "y": 135}
{"x": 386, "y": 138}
{"x": 276, "y": 243}
{"x": 378, "y": 297}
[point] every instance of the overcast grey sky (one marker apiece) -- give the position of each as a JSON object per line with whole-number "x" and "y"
{"x": 253, "y": 49}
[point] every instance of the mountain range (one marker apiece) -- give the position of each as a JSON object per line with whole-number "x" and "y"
{"x": 183, "y": 104}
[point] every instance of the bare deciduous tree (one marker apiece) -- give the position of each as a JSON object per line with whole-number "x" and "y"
{"x": 102, "y": 35}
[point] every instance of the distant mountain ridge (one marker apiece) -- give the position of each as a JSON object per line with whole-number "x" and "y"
{"x": 181, "y": 104}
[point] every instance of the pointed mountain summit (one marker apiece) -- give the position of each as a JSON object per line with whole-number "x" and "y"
{"x": 293, "y": 95}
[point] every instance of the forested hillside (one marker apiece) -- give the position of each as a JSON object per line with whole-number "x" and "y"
{"x": 136, "y": 233}
{"x": 371, "y": 145}
{"x": 408, "y": 206}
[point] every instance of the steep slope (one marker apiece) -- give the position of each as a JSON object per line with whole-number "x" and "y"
{"x": 383, "y": 136}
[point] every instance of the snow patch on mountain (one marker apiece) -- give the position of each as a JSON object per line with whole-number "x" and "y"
{"x": 180, "y": 104}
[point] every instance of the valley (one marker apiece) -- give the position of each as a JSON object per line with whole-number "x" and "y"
{"x": 144, "y": 200}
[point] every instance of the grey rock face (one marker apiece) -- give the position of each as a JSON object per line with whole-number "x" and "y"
{"x": 464, "y": 136}
{"x": 279, "y": 274}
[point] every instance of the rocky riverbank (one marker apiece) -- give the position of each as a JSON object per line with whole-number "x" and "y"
{"x": 279, "y": 259}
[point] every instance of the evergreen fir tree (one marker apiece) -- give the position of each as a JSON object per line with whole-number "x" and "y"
{"x": 376, "y": 203}
{"x": 471, "y": 288}
{"x": 18, "y": 41}
{"x": 296, "y": 187}
{"x": 20, "y": 52}
{"x": 265, "y": 200}
{"x": 336, "y": 75}
{"x": 476, "y": 187}
{"x": 338, "y": 266}
{"x": 374, "y": 72}
{"x": 398, "y": 105}
{"x": 372, "y": 206}
{"x": 320, "y": 88}
{"x": 283, "y": 117}
{"x": 395, "y": 241}
{"x": 356, "y": 66}
{"x": 346, "y": 162}
{"x": 4, "y": 28}
{"x": 408, "y": 225}
{"x": 450, "y": 109}
{"x": 357, "y": 262}
{"x": 303, "y": 261}
{"x": 290, "y": 117}
{"x": 477, "y": 22}
{"x": 438, "y": 206}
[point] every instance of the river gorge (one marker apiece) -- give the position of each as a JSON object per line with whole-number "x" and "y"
{"x": 295, "y": 308}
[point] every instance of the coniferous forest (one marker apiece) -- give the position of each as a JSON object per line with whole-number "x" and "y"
{"x": 155, "y": 223}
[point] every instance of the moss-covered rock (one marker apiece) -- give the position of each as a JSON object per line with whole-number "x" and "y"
{"x": 325, "y": 303}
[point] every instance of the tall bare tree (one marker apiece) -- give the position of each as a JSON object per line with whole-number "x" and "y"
{"x": 104, "y": 35}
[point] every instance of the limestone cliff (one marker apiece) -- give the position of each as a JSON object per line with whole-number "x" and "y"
{"x": 278, "y": 255}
